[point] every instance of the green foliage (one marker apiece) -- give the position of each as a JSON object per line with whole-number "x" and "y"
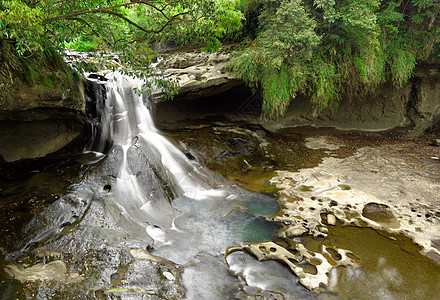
{"x": 83, "y": 45}
{"x": 44, "y": 68}
{"x": 195, "y": 22}
{"x": 334, "y": 48}
{"x": 21, "y": 23}
{"x": 117, "y": 26}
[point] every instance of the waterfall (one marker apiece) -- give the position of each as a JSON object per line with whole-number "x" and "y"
{"x": 126, "y": 123}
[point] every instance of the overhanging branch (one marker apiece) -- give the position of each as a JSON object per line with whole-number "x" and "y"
{"x": 97, "y": 10}
{"x": 107, "y": 10}
{"x": 85, "y": 22}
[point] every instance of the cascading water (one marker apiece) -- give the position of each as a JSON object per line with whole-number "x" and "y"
{"x": 127, "y": 122}
{"x": 141, "y": 192}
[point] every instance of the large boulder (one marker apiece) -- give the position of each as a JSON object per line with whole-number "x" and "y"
{"x": 385, "y": 110}
{"x": 427, "y": 96}
{"x": 415, "y": 106}
{"x": 42, "y": 106}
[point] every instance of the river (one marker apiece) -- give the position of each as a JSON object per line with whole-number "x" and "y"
{"x": 138, "y": 215}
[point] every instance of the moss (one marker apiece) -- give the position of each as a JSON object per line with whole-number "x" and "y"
{"x": 48, "y": 81}
{"x": 45, "y": 68}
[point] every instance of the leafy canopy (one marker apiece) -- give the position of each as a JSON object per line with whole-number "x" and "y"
{"x": 121, "y": 26}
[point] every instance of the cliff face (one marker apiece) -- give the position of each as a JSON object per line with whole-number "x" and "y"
{"x": 42, "y": 107}
{"x": 415, "y": 107}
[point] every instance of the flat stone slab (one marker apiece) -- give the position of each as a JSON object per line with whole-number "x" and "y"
{"x": 370, "y": 188}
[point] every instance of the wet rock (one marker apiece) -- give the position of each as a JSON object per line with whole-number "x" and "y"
{"x": 311, "y": 275}
{"x": 322, "y": 142}
{"x": 53, "y": 271}
{"x": 97, "y": 76}
{"x": 239, "y": 144}
{"x": 44, "y": 252}
{"x": 143, "y": 255}
{"x": 436, "y": 244}
{"x": 226, "y": 154}
{"x": 65, "y": 224}
{"x": 115, "y": 278}
{"x": 378, "y": 212}
{"x": 169, "y": 276}
{"x": 100, "y": 294}
{"x": 295, "y": 231}
{"x": 189, "y": 155}
{"x": 434, "y": 256}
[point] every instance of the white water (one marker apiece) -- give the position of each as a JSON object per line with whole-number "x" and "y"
{"x": 127, "y": 119}
{"x": 127, "y": 122}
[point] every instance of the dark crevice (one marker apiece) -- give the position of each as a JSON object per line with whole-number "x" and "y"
{"x": 239, "y": 102}
{"x": 414, "y": 98}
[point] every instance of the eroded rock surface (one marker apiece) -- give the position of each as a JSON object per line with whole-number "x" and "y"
{"x": 378, "y": 212}
{"x": 199, "y": 74}
{"x": 370, "y": 188}
{"x": 52, "y": 271}
{"x": 391, "y": 184}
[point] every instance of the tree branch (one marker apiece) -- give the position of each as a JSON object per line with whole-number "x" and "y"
{"x": 168, "y": 22}
{"x": 159, "y": 10}
{"x": 85, "y": 22}
{"x": 98, "y": 10}
{"x": 119, "y": 15}
{"x": 125, "y": 19}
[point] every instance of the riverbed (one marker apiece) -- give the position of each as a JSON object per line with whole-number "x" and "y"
{"x": 226, "y": 209}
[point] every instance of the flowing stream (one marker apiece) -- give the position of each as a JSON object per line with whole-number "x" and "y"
{"x": 141, "y": 192}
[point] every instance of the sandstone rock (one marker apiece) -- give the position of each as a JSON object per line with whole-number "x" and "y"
{"x": 142, "y": 254}
{"x": 331, "y": 219}
{"x": 20, "y": 140}
{"x": 378, "y": 212}
{"x": 322, "y": 142}
{"x": 198, "y": 74}
{"x": 427, "y": 102}
{"x": 41, "y": 117}
{"x": 436, "y": 244}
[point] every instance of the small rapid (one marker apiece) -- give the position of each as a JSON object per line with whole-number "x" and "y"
{"x": 126, "y": 122}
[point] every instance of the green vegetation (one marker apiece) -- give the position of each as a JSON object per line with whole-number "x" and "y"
{"x": 45, "y": 67}
{"x": 333, "y": 48}
{"x": 326, "y": 49}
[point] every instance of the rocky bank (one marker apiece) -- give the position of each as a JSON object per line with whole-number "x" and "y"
{"x": 45, "y": 115}
{"x": 41, "y": 111}
{"x": 334, "y": 185}
{"x": 415, "y": 106}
